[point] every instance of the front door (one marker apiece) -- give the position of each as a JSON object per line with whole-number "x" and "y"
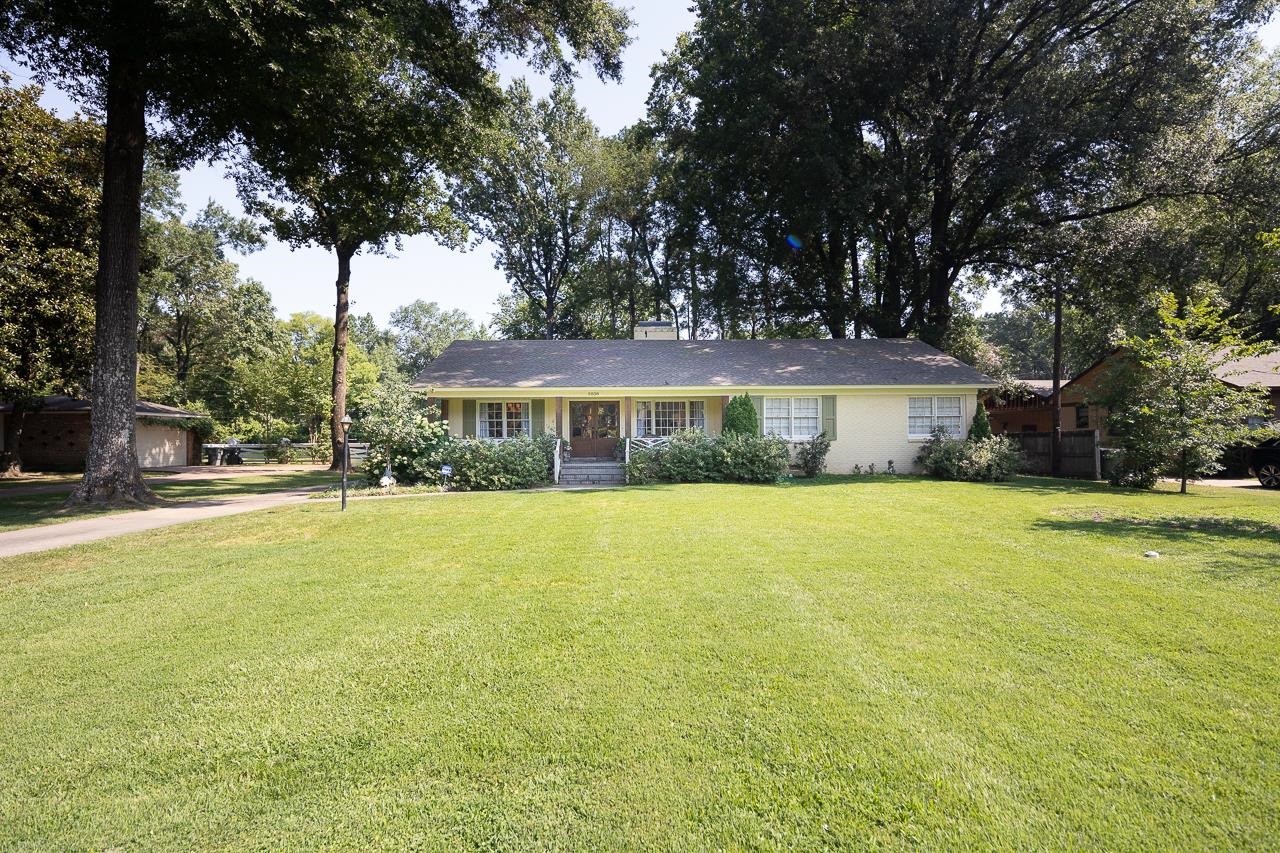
{"x": 593, "y": 428}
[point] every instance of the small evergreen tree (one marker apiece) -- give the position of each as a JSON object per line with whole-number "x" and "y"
{"x": 981, "y": 426}
{"x": 1170, "y": 398}
{"x": 740, "y": 416}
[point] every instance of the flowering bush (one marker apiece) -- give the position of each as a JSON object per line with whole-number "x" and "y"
{"x": 989, "y": 459}
{"x": 693, "y": 457}
{"x": 518, "y": 463}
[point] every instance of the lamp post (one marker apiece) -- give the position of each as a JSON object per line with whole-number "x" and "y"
{"x": 346, "y": 456}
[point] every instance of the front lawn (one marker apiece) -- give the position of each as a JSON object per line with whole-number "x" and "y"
{"x": 25, "y": 510}
{"x": 866, "y": 662}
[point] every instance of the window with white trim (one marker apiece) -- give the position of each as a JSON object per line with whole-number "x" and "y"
{"x": 667, "y": 417}
{"x": 925, "y": 414}
{"x": 793, "y": 418}
{"x": 505, "y": 419}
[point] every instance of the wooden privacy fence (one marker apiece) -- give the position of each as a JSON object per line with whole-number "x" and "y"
{"x": 1081, "y": 452}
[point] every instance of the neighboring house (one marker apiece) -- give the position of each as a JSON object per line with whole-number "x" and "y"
{"x": 1261, "y": 370}
{"x": 877, "y": 399}
{"x": 56, "y": 437}
{"x": 1032, "y": 410}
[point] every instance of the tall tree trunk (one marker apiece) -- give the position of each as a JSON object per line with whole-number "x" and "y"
{"x": 111, "y": 473}
{"x": 834, "y": 271}
{"x": 694, "y": 318}
{"x": 340, "y": 314}
{"x": 11, "y": 457}
{"x": 855, "y": 284}
{"x": 1055, "y": 442}
{"x": 938, "y": 266}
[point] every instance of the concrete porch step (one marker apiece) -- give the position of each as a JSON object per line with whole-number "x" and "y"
{"x": 592, "y": 472}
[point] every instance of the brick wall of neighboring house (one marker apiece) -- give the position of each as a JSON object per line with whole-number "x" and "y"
{"x": 55, "y": 442}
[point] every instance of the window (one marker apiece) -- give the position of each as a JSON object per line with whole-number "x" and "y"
{"x": 503, "y": 420}
{"x": 793, "y": 418}
{"x": 1082, "y": 417}
{"x": 925, "y": 414}
{"x": 698, "y": 415}
{"x": 667, "y": 417}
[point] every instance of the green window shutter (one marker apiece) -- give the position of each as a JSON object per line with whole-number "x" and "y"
{"x": 469, "y": 418}
{"x": 758, "y": 402}
{"x": 829, "y": 416}
{"x": 538, "y": 417}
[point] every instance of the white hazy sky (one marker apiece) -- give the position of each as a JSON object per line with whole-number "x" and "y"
{"x": 302, "y": 280}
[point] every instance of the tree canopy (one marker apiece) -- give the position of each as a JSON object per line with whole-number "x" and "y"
{"x": 50, "y": 175}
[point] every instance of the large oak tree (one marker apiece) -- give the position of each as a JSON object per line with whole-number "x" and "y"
{"x": 903, "y": 144}
{"x": 360, "y": 172}
{"x": 207, "y": 74}
{"x": 50, "y": 175}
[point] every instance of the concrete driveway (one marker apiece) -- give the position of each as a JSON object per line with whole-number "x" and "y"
{"x": 168, "y": 475}
{"x": 1246, "y": 483}
{"x": 27, "y": 540}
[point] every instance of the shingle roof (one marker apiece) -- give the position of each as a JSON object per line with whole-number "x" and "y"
{"x": 63, "y": 404}
{"x": 728, "y": 364}
{"x": 1039, "y": 387}
{"x": 1259, "y": 370}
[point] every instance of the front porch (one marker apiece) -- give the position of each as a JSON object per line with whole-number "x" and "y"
{"x": 593, "y": 425}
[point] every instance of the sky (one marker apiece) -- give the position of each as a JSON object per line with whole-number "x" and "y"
{"x": 302, "y": 280}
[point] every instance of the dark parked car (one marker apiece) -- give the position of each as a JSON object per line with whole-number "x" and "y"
{"x": 1264, "y": 463}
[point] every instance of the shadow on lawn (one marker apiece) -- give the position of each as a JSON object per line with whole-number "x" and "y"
{"x": 1219, "y": 533}
{"x": 234, "y": 486}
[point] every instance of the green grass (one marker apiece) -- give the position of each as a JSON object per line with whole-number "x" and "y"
{"x": 873, "y": 662}
{"x": 46, "y": 508}
{"x": 38, "y": 479}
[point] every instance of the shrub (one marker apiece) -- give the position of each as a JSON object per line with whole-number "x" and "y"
{"x": 321, "y": 451}
{"x": 1134, "y": 469}
{"x": 811, "y": 456}
{"x": 981, "y": 426}
{"x": 414, "y": 449}
{"x": 519, "y": 463}
{"x": 752, "y": 458}
{"x": 692, "y": 457}
{"x": 740, "y": 417}
{"x": 989, "y": 459}
{"x": 282, "y": 452}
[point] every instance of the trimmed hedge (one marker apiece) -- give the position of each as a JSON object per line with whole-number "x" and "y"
{"x": 487, "y": 466}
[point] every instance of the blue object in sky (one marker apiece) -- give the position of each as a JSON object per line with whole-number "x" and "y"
{"x": 794, "y": 242}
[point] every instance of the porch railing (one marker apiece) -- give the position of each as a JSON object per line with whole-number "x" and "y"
{"x": 646, "y": 442}
{"x": 649, "y": 442}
